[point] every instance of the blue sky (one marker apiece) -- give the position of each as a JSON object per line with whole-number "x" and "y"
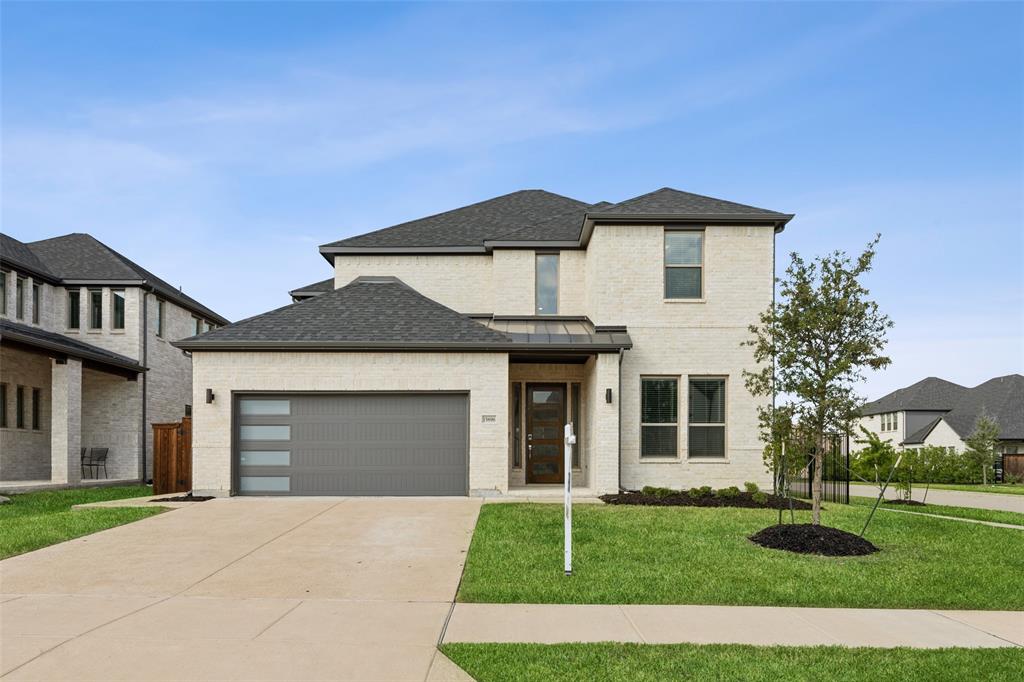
{"x": 219, "y": 144}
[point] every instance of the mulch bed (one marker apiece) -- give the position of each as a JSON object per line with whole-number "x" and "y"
{"x": 185, "y": 498}
{"x": 744, "y": 500}
{"x": 909, "y": 503}
{"x": 805, "y": 538}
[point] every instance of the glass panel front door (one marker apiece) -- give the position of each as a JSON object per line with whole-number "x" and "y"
{"x": 545, "y": 422}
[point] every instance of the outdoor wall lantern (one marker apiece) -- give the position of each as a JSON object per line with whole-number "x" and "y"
{"x": 209, "y": 396}
{"x": 608, "y": 395}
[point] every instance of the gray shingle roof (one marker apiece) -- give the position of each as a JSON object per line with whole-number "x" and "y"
{"x": 13, "y": 331}
{"x": 80, "y": 256}
{"x": 918, "y": 436}
{"x": 375, "y": 311}
{"x": 20, "y": 256}
{"x": 474, "y": 224}
{"x": 1001, "y": 398}
{"x": 668, "y": 201}
{"x": 314, "y": 289}
{"x": 928, "y": 394}
{"x": 537, "y": 215}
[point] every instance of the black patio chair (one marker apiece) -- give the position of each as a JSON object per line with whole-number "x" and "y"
{"x": 98, "y": 460}
{"x": 85, "y": 460}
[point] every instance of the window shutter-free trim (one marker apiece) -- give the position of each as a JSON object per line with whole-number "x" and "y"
{"x": 684, "y": 264}
{"x": 659, "y": 417}
{"x": 706, "y": 417}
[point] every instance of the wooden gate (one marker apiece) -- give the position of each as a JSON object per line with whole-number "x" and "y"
{"x": 1013, "y": 465}
{"x": 172, "y": 457}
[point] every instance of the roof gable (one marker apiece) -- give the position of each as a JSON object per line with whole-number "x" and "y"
{"x": 667, "y": 201}
{"x": 931, "y": 393}
{"x": 21, "y": 257}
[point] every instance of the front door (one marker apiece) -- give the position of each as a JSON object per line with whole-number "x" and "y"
{"x": 545, "y": 423}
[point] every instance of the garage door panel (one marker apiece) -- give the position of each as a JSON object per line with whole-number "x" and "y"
{"x": 347, "y": 444}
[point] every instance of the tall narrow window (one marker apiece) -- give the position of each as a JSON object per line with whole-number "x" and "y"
{"x": 74, "y": 308}
{"x": 895, "y": 421}
{"x": 159, "y": 317}
{"x": 37, "y": 301}
{"x": 197, "y": 326}
{"x": 117, "y": 298}
{"x": 517, "y": 425}
{"x": 3, "y": 292}
{"x": 20, "y": 298}
{"x": 19, "y": 407}
{"x": 95, "y": 309}
{"x": 547, "y": 283}
{"x": 707, "y": 418}
{"x": 577, "y": 427}
{"x": 3, "y": 406}
{"x": 659, "y": 415}
{"x": 684, "y": 264}
{"x": 37, "y": 402}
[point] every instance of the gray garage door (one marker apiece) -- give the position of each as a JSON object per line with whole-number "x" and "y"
{"x": 348, "y": 444}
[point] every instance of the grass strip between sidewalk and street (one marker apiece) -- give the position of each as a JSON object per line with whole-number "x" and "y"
{"x": 996, "y": 515}
{"x": 611, "y": 662}
{"x": 34, "y": 520}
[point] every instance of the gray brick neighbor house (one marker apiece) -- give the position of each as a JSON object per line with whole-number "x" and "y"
{"x": 445, "y": 355}
{"x": 86, "y": 359}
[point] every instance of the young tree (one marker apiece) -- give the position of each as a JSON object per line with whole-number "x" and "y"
{"x": 813, "y": 345}
{"x": 874, "y": 460}
{"x": 981, "y": 444}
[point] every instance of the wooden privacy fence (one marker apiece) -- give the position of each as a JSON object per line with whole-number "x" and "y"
{"x": 172, "y": 457}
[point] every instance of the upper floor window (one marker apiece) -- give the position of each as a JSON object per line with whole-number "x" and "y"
{"x": 707, "y": 418}
{"x": 890, "y": 421}
{"x": 3, "y": 406}
{"x": 37, "y": 409}
{"x": 74, "y": 309}
{"x": 547, "y": 283}
{"x": 684, "y": 264}
{"x": 159, "y": 317}
{"x": 3, "y": 292}
{"x": 37, "y": 301}
{"x": 659, "y": 417}
{"x": 197, "y": 326}
{"x": 19, "y": 302}
{"x": 95, "y": 309}
{"x": 117, "y": 298}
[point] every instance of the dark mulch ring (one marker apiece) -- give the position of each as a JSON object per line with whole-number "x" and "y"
{"x": 806, "y": 538}
{"x": 185, "y": 498}
{"x": 744, "y": 499}
{"x": 909, "y": 503}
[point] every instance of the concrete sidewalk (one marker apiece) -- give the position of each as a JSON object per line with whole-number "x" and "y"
{"x": 760, "y": 625}
{"x": 950, "y": 498}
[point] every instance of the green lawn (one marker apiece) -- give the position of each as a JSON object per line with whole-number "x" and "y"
{"x": 656, "y": 662}
{"x": 687, "y": 555}
{"x": 34, "y": 520}
{"x": 996, "y": 515}
{"x": 1003, "y": 488}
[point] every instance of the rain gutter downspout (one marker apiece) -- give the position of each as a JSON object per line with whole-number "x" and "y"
{"x": 622, "y": 355}
{"x": 145, "y": 353}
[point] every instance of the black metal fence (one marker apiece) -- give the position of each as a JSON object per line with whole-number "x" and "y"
{"x": 835, "y": 476}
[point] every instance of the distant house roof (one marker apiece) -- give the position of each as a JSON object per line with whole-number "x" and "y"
{"x": 58, "y": 343}
{"x": 1001, "y": 399}
{"x": 534, "y": 215}
{"x": 78, "y": 257}
{"x": 314, "y": 289}
{"x": 379, "y": 313}
{"x": 928, "y": 394}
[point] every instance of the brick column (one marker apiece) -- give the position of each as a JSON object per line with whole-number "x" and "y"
{"x": 66, "y": 421}
{"x": 605, "y": 432}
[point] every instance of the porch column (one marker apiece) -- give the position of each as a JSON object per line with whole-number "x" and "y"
{"x": 66, "y": 421}
{"x": 605, "y": 436}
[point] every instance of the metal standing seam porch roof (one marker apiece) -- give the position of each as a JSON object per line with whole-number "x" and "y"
{"x": 384, "y": 313}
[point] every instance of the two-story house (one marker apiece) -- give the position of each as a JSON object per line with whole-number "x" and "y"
{"x": 937, "y": 412}
{"x": 447, "y": 354}
{"x": 86, "y": 359}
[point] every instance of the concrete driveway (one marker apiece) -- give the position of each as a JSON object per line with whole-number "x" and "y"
{"x": 243, "y": 588}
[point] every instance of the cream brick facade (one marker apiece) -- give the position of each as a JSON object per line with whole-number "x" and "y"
{"x": 619, "y": 280}
{"x": 484, "y": 376}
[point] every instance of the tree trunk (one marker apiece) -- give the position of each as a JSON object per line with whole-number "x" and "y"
{"x": 819, "y": 460}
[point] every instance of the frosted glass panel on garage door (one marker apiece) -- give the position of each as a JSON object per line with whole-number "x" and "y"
{"x": 250, "y": 406}
{"x": 266, "y": 432}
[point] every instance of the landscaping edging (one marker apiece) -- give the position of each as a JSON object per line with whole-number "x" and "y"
{"x": 742, "y": 500}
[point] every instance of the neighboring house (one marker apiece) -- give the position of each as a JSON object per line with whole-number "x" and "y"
{"x": 448, "y": 353}
{"x": 938, "y": 412}
{"x": 86, "y": 358}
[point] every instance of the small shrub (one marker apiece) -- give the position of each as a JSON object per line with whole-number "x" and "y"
{"x": 695, "y": 493}
{"x": 751, "y": 487}
{"x": 706, "y": 490}
{"x": 1012, "y": 479}
{"x": 728, "y": 493}
{"x": 658, "y": 492}
{"x": 760, "y": 497}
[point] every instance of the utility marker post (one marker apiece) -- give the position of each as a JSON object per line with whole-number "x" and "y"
{"x": 570, "y": 440}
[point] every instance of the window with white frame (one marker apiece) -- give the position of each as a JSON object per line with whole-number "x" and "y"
{"x": 659, "y": 417}
{"x": 706, "y": 424}
{"x": 684, "y": 264}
